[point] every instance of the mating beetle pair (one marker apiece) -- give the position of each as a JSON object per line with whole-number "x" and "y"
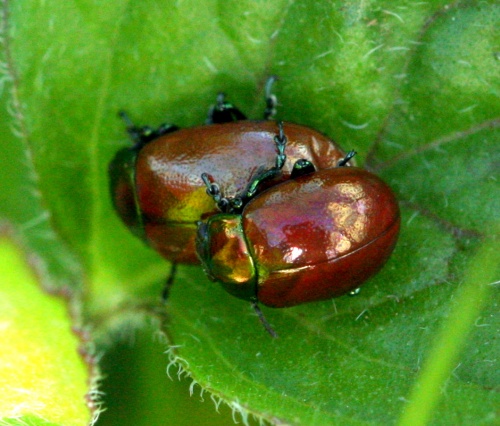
{"x": 156, "y": 185}
{"x": 285, "y": 221}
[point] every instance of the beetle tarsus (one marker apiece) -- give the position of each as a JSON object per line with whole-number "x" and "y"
{"x": 271, "y": 99}
{"x": 237, "y": 203}
{"x": 223, "y": 112}
{"x": 280, "y": 140}
{"x": 213, "y": 189}
{"x": 346, "y": 159}
{"x": 225, "y": 204}
{"x": 140, "y": 136}
{"x": 263, "y": 319}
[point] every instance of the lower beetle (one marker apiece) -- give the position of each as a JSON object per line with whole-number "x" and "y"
{"x": 156, "y": 186}
{"x": 313, "y": 237}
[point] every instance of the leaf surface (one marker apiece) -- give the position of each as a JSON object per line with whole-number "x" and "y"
{"x": 412, "y": 86}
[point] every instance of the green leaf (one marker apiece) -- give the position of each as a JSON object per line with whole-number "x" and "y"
{"x": 42, "y": 377}
{"x": 464, "y": 314}
{"x": 412, "y": 86}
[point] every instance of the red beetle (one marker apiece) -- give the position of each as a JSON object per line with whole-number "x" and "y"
{"x": 310, "y": 238}
{"x": 156, "y": 186}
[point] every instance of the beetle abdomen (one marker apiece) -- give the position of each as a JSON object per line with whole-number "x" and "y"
{"x": 321, "y": 235}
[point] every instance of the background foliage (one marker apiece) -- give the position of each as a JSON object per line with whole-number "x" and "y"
{"x": 412, "y": 86}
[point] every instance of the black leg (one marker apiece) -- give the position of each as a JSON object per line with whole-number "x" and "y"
{"x": 346, "y": 159}
{"x": 302, "y": 167}
{"x": 142, "y": 135}
{"x": 236, "y": 204}
{"x": 280, "y": 140}
{"x": 263, "y": 319}
{"x": 271, "y": 99}
{"x": 169, "y": 282}
{"x": 224, "y": 112}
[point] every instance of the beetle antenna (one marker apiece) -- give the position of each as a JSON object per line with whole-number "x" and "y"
{"x": 263, "y": 319}
{"x": 346, "y": 159}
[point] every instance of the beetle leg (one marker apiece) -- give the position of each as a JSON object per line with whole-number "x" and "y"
{"x": 302, "y": 167}
{"x": 236, "y": 204}
{"x": 253, "y": 186}
{"x": 346, "y": 159}
{"x": 169, "y": 282}
{"x": 142, "y": 135}
{"x": 224, "y": 204}
{"x": 271, "y": 99}
{"x": 280, "y": 141}
{"x": 263, "y": 319}
{"x": 224, "y": 112}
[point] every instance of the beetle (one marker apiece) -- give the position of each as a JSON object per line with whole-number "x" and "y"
{"x": 310, "y": 238}
{"x": 156, "y": 186}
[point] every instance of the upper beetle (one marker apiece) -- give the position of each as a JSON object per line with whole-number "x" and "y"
{"x": 156, "y": 186}
{"x": 313, "y": 237}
